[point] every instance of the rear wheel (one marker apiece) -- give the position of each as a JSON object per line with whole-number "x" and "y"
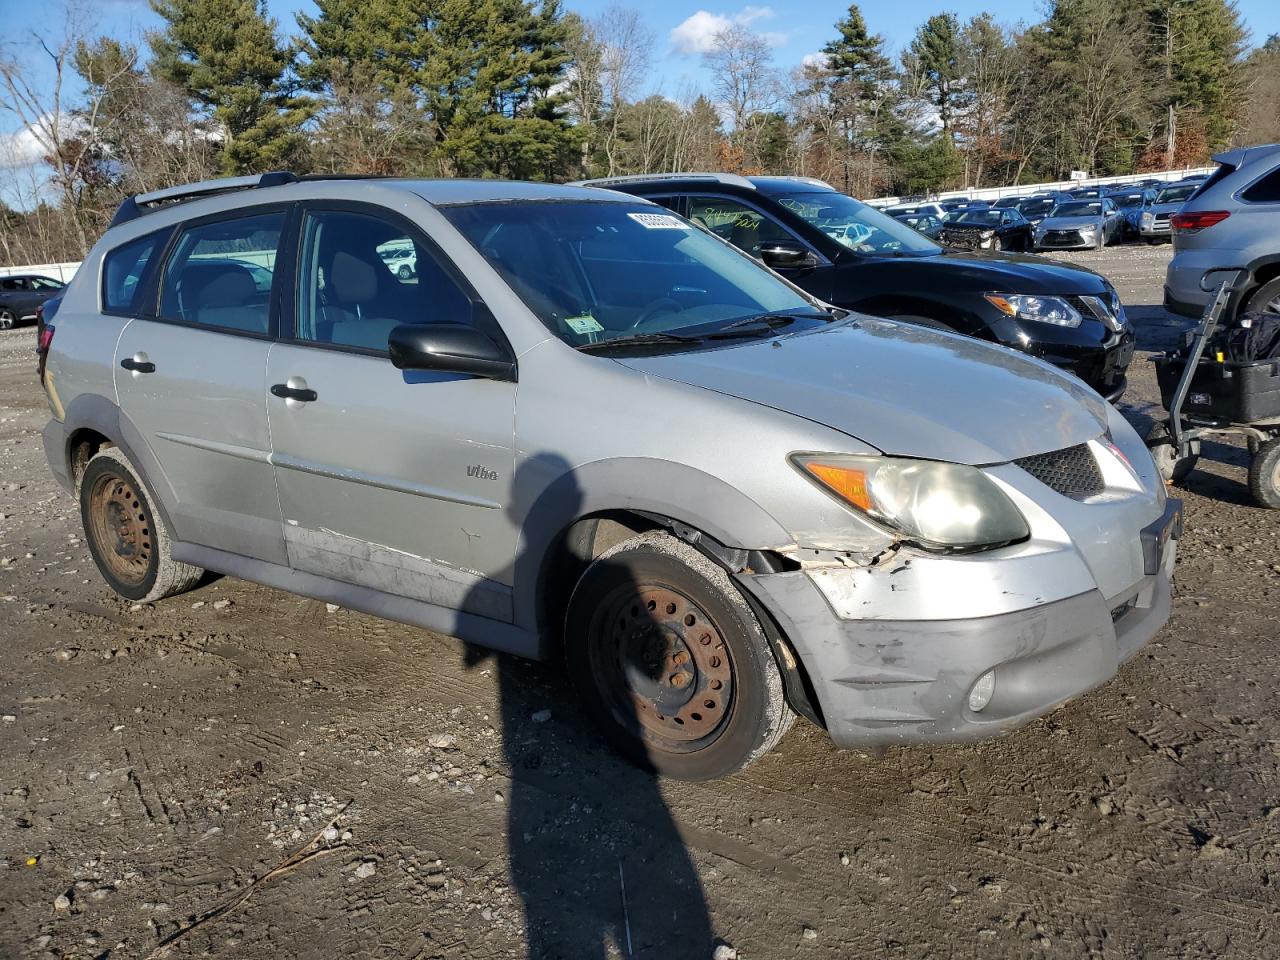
{"x": 1266, "y": 299}
{"x": 671, "y": 662}
{"x": 7, "y": 319}
{"x": 1264, "y": 475}
{"x": 1173, "y": 469}
{"x": 127, "y": 540}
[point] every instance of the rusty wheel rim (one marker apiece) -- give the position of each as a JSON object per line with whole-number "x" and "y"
{"x": 121, "y": 528}
{"x": 663, "y": 665}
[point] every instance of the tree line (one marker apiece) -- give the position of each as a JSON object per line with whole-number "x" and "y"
{"x": 523, "y": 89}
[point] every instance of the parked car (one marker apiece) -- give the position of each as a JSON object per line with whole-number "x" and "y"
{"x": 402, "y": 261}
{"x": 1079, "y": 224}
{"x": 1010, "y": 201}
{"x": 1035, "y": 208}
{"x": 1067, "y": 315}
{"x": 1086, "y": 193}
{"x": 21, "y": 294}
{"x": 958, "y": 205}
{"x": 990, "y": 229}
{"x": 917, "y": 210}
{"x": 924, "y": 223}
{"x": 716, "y": 500}
{"x": 1154, "y": 224}
{"x": 1132, "y": 203}
{"x": 1231, "y": 222}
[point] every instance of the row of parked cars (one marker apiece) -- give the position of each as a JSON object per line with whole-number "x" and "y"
{"x": 1088, "y": 218}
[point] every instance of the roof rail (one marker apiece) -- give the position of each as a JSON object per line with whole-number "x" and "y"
{"x": 136, "y": 206}
{"x": 811, "y": 181}
{"x": 726, "y": 178}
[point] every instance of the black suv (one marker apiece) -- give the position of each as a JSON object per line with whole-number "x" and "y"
{"x": 856, "y": 257}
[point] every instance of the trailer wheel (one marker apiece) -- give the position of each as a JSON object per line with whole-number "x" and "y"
{"x": 1173, "y": 469}
{"x": 1264, "y": 475}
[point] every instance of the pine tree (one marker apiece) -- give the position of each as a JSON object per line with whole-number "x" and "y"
{"x": 224, "y": 54}
{"x": 934, "y": 57}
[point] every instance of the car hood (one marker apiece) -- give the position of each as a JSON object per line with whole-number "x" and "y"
{"x": 977, "y": 271}
{"x": 1069, "y": 223}
{"x": 906, "y": 390}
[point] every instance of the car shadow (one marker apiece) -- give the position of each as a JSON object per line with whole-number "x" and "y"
{"x": 596, "y": 856}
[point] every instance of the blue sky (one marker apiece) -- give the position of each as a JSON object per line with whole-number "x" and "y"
{"x": 795, "y": 29}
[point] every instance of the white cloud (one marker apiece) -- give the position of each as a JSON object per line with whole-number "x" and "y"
{"x": 697, "y": 33}
{"x": 818, "y": 59}
{"x": 19, "y": 148}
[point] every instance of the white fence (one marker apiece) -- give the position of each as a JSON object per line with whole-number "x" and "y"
{"x": 1065, "y": 186}
{"x": 58, "y": 271}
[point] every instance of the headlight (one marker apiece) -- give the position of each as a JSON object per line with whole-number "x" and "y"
{"x": 1148, "y": 218}
{"x": 939, "y": 506}
{"x": 1085, "y": 231}
{"x": 1054, "y": 310}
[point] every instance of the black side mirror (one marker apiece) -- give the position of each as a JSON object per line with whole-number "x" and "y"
{"x": 449, "y": 348}
{"x": 787, "y": 255}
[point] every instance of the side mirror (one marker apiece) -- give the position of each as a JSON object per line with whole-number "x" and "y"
{"x": 449, "y": 348}
{"x": 786, "y": 255}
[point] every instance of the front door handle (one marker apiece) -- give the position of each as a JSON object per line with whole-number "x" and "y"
{"x": 138, "y": 364}
{"x": 286, "y": 392}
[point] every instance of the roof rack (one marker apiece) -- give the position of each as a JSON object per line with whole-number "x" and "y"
{"x": 811, "y": 181}
{"x": 136, "y": 206}
{"x": 726, "y": 178}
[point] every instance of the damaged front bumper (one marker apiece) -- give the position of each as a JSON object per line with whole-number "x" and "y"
{"x": 907, "y": 677}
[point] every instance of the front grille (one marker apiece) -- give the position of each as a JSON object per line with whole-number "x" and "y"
{"x": 1061, "y": 237}
{"x": 1072, "y": 472}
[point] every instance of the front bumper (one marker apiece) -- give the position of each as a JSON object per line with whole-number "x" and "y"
{"x": 901, "y": 681}
{"x": 1077, "y": 242}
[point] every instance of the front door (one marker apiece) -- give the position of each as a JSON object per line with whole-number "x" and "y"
{"x": 191, "y": 376}
{"x": 388, "y": 479}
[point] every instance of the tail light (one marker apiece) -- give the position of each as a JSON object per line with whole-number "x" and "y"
{"x": 44, "y": 333}
{"x": 1195, "y": 222}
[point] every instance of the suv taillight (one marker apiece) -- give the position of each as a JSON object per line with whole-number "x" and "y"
{"x": 44, "y": 340}
{"x": 1195, "y": 222}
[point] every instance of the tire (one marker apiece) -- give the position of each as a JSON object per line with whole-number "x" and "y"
{"x": 404, "y": 273}
{"x": 127, "y": 539}
{"x": 997, "y": 244}
{"x": 7, "y": 320}
{"x": 1264, "y": 475}
{"x": 1101, "y": 241}
{"x": 670, "y": 661}
{"x": 1172, "y": 468}
{"x": 1265, "y": 299}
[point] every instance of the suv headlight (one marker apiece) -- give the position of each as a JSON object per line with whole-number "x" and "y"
{"x": 1054, "y": 310}
{"x": 938, "y": 506}
{"x": 1148, "y": 218}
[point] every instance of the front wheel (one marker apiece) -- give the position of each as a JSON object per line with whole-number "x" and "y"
{"x": 7, "y": 320}
{"x": 671, "y": 662}
{"x": 1264, "y": 475}
{"x": 1173, "y": 469}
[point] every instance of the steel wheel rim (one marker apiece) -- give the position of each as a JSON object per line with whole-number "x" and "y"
{"x": 121, "y": 528}
{"x": 662, "y": 665}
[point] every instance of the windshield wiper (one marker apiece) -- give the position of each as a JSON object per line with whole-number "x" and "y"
{"x": 762, "y": 323}
{"x": 638, "y": 339}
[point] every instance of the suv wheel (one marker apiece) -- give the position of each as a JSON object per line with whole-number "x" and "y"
{"x": 7, "y": 320}
{"x": 126, "y": 538}
{"x": 1266, "y": 299}
{"x": 1264, "y": 475}
{"x": 671, "y": 662}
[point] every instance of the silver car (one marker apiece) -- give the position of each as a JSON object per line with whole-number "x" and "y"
{"x": 586, "y": 428}
{"x": 1155, "y": 223}
{"x": 1079, "y": 224}
{"x": 1231, "y": 223}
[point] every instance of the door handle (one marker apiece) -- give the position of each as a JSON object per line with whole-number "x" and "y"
{"x": 286, "y": 392}
{"x": 138, "y": 366}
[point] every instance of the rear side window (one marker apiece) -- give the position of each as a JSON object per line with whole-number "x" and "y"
{"x": 122, "y": 272}
{"x": 1266, "y": 190}
{"x": 1224, "y": 170}
{"x": 220, "y": 274}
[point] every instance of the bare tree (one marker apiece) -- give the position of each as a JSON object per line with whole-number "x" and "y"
{"x": 745, "y": 84}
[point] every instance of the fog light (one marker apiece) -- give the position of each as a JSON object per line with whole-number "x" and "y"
{"x": 982, "y": 691}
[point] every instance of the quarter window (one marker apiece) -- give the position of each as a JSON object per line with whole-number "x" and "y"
{"x": 221, "y": 274}
{"x": 744, "y": 227}
{"x": 1266, "y": 190}
{"x": 361, "y": 276}
{"x": 122, "y": 271}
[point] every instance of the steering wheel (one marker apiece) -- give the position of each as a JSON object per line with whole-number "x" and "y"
{"x": 654, "y": 308}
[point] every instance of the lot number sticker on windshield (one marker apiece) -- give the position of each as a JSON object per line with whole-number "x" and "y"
{"x": 584, "y": 324}
{"x": 657, "y": 221}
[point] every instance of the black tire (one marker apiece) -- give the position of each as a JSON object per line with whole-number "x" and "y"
{"x": 1172, "y": 468}
{"x": 405, "y": 273}
{"x": 997, "y": 244}
{"x": 670, "y": 661}
{"x": 8, "y": 320}
{"x": 1265, "y": 299}
{"x": 1264, "y": 475}
{"x": 1101, "y": 241}
{"x": 127, "y": 539}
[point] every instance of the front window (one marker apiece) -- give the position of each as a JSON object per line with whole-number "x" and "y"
{"x": 985, "y": 218}
{"x": 1128, "y": 200}
{"x": 856, "y": 225}
{"x": 595, "y": 271}
{"x": 1036, "y": 208}
{"x": 45, "y": 283}
{"x": 1085, "y": 208}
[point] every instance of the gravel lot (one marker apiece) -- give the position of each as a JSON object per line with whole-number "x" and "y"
{"x": 157, "y": 763}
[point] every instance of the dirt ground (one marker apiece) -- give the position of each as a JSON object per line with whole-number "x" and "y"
{"x": 157, "y": 763}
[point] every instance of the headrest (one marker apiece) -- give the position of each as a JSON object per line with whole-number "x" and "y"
{"x": 229, "y": 287}
{"x": 351, "y": 279}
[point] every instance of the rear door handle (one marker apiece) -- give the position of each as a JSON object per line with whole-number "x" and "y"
{"x": 137, "y": 365}
{"x": 286, "y": 392}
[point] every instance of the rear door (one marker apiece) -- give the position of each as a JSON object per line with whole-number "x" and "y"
{"x": 395, "y": 480}
{"x": 191, "y": 375}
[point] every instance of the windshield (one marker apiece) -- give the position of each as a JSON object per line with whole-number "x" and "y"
{"x": 1033, "y": 208}
{"x": 856, "y": 225}
{"x": 1127, "y": 199}
{"x": 1081, "y": 208}
{"x": 1176, "y": 194}
{"x": 595, "y": 271}
{"x": 45, "y": 283}
{"x": 1006, "y": 202}
{"x": 988, "y": 218}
